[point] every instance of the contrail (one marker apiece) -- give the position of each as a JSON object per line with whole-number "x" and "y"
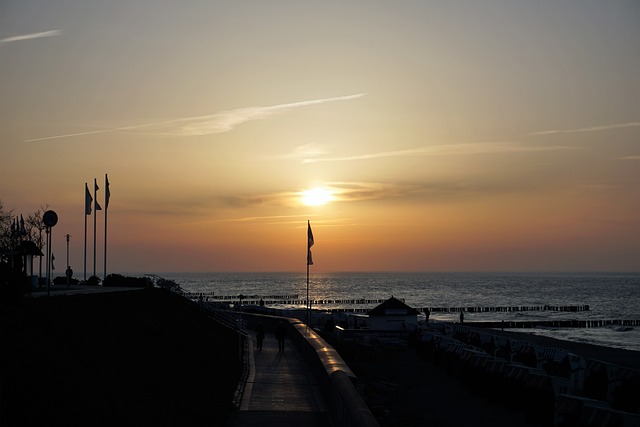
{"x": 93, "y": 132}
{"x": 444, "y": 149}
{"x": 225, "y": 121}
{"x": 587, "y": 129}
{"x": 314, "y": 102}
{"x": 220, "y": 122}
{"x": 40, "y": 35}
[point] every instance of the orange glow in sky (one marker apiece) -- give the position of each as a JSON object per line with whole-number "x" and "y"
{"x": 414, "y": 136}
{"x": 316, "y": 196}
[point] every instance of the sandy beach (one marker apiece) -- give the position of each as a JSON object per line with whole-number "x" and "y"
{"x": 626, "y": 358}
{"x": 405, "y": 388}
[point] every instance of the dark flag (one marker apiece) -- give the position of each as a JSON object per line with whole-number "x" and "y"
{"x": 309, "y": 243}
{"x": 96, "y": 188}
{"x": 87, "y": 200}
{"x": 107, "y": 193}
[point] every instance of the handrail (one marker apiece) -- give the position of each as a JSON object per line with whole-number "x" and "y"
{"x": 333, "y": 375}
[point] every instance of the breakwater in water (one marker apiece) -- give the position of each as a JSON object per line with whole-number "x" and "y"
{"x": 556, "y": 324}
{"x": 508, "y": 309}
{"x": 294, "y": 300}
{"x": 481, "y": 296}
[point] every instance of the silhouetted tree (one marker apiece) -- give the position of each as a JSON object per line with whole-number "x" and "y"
{"x": 33, "y": 230}
{"x": 34, "y": 227}
{"x": 6, "y": 218}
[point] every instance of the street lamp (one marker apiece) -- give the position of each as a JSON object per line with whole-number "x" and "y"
{"x": 50, "y": 219}
{"x": 68, "y": 272}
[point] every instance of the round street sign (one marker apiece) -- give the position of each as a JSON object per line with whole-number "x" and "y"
{"x": 50, "y": 218}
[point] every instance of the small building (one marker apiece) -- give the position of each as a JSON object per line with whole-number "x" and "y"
{"x": 393, "y": 314}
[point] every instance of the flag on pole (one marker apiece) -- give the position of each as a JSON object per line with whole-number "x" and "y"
{"x": 97, "y": 205}
{"x": 107, "y": 193}
{"x": 309, "y": 243}
{"x": 87, "y": 200}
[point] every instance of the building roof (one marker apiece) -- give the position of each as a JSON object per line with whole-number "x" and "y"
{"x": 393, "y": 307}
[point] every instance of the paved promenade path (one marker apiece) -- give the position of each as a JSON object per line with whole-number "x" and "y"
{"x": 280, "y": 391}
{"x": 59, "y": 290}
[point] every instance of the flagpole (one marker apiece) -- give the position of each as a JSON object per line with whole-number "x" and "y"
{"x": 308, "y": 303}
{"x": 48, "y": 230}
{"x": 105, "y": 244}
{"x": 95, "y": 205}
{"x": 106, "y": 208}
{"x": 309, "y": 262}
{"x": 86, "y": 190}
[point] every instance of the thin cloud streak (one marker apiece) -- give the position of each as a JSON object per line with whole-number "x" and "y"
{"x": 248, "y": 219}
{"x": 227, "y": 120}
{"x": 94, "y": 132}
{"x": 51, "y": 33}
{"x": 445, "y": 149}
{"x": 221, "y": 122}
{"x": 361, "y": 191}
{"x": 586, "y": 129}
{"x": 340, "y": 192}
{"x": 302, "y": 152}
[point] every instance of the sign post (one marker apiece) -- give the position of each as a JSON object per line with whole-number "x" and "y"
{"x": 50, "y": 219}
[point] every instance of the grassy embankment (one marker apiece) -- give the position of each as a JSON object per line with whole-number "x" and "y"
{"x": 124, "y": 358}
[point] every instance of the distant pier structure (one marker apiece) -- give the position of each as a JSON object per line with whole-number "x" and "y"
{"x": 526, "y": 324}
{"x": 294, "y": 299}
{"x": 509, "y": 309}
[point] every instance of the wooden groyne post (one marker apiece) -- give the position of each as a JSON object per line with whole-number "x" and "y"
{"x": 524, "y": 324}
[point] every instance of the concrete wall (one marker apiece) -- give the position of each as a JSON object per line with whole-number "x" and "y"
{"x": 335, "y": 378}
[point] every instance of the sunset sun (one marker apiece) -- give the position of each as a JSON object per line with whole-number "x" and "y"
{"x": 316, "y": 196}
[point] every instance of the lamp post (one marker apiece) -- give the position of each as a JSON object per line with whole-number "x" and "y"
{"x": 40, "y": 263}
{"x": 68, "y": 236}
{"x": 50, "y": 219}
{"x": 48, "y": 255}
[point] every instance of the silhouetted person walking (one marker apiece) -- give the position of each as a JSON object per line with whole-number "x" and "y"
{"x": 260, "y": 335}
{"x": 461, "y": 316}
{"x": 69, "y": 274}
{"x": 280, "y": 333}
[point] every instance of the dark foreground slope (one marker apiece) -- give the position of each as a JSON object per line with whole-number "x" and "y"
{"x": 144, "y": 357}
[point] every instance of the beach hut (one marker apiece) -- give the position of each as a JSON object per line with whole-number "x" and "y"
{"x": 25, "y": 252}
{"x": 393, "y": 315}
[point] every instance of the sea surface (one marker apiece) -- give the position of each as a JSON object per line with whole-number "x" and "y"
{"x": 609, "y": 296}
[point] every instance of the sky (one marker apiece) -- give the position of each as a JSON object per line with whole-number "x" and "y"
{"x": 422, "y": 135}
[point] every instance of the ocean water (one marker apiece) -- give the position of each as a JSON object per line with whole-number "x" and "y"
{"x": 609, "y": 296}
